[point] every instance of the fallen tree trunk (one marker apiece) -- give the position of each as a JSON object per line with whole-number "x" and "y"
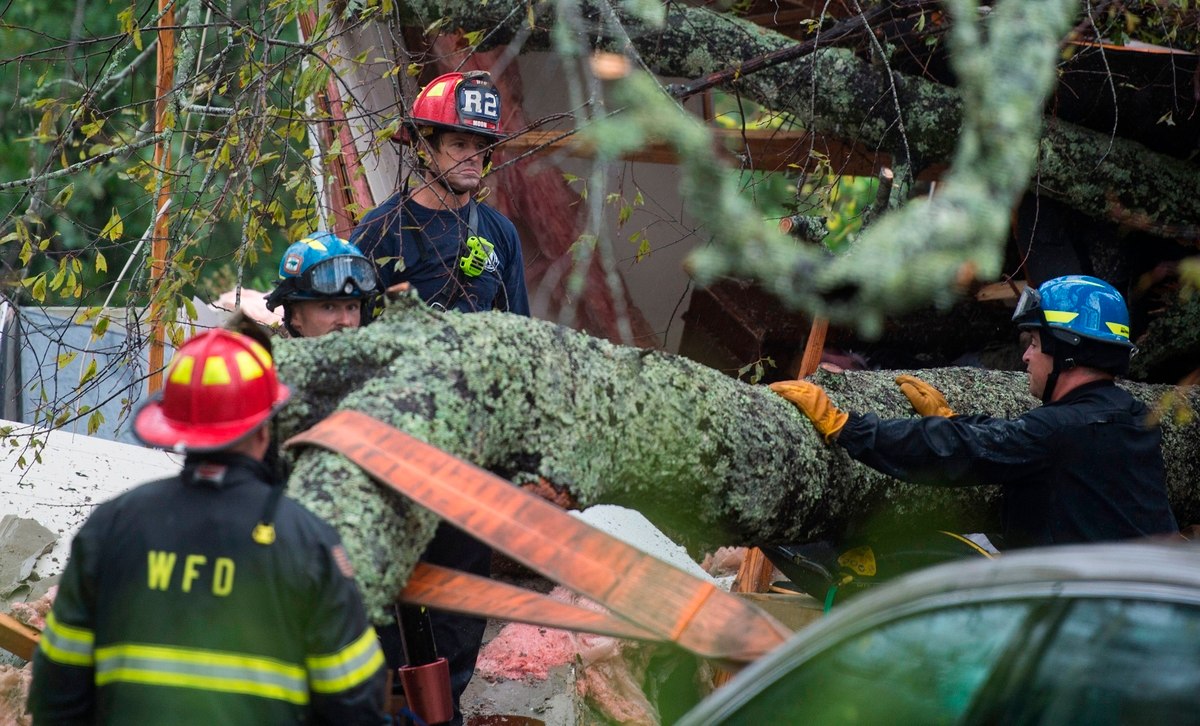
{"x": 709, "y": 459}
{"x": 838, "y": 93}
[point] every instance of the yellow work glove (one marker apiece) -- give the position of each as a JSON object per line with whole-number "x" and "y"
{"x": 926, "y": 400}
{"x": 812, "y": 402}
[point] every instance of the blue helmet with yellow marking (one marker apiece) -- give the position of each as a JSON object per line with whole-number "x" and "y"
{"x": 1079, "y": 306}
{"x": 1086, "y": 320}
{"x": 323, "y": 265}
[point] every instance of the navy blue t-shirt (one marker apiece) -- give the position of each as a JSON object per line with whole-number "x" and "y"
{"x": 430, "y": 242}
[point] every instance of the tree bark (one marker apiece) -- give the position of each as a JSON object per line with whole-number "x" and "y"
{"x": 711, "y": 460}
{"x": 991, "y": 127}
{"x": 838, "y": 93}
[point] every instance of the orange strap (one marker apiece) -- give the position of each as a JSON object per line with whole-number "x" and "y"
{"x": 444, "y": 589}
{"x": 813, "y": 347}
{"x": 664, "y": 601}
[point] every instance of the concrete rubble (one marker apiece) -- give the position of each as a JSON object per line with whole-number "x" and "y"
{"x": 22, "y": 542}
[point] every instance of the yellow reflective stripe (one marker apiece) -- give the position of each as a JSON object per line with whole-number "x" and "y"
{"x": 181, "y": 373}
{"x": 264, "y": 357}
{"x": 1118, "y": 329}
{"x": 207, "y": 670}
{"x": 347, "y": 668}
{"x": 66, "y": 644}
{"x": 1059, "y": 316}
{"x": 315, "y": 244}
{"x": 216, "y": 373}
{"x": 248, "y": 365}
{"x": 436, "y": 90}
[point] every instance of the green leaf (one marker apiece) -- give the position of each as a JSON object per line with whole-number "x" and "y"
{"x": 64, "y": 195}
{"x": 94, "y": 422}
{"x": 91, "y": 129}
{"x": 38, "y": 291}
{"x": 312, "y": 79}
{"x": 623, "y": 215}
{"x": 59, "y": 276}
{"x": 65, "y": 358}
{"x": 115, "y": 227}
{"x": 89, "y": 373}
{"x": 99, "y": 329}
{"x": 101, "y": 262}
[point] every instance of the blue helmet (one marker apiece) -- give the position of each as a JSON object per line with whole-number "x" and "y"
{"x": 323, "y": 265}
{"x": 1084, "y": 322}
{"x": 1074, "y": 307}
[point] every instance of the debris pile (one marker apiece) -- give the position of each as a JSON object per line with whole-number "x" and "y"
{"x": 14, "y": 690}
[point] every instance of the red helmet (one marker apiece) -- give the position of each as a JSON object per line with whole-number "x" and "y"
{"x": 466, "y": 102}
{"x": 220, "y": 387}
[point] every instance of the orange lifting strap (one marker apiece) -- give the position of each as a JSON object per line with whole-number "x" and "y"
{"x": 650, "y": 599}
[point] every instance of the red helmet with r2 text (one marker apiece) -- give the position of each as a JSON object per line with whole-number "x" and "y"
{"x": 466, "y": 102}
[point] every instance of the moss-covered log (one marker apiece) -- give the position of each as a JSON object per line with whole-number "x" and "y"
{"x": 838, "y": 93}
{"x": 989, "y": 128}
{"x": 709, "y": 459}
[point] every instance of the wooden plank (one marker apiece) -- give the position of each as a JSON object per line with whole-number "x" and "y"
{"x": 1001, "y": 291}
{"x": 17, "y": 637}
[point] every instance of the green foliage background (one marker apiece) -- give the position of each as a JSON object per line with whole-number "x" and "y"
{"x": 77, "y": 82}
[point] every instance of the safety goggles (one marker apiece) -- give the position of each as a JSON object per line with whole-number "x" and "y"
{"x": 343, "y": 275}
{"x": 1029, "y": 306}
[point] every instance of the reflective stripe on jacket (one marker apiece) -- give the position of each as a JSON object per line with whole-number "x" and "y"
{"x": 169, "y": 611}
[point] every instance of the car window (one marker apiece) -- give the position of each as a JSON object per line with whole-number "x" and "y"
{"x": 924, "y": 669}
{"x": 1118, "y": 662}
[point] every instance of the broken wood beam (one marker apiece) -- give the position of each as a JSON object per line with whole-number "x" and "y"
{"x": 17, "y": 637}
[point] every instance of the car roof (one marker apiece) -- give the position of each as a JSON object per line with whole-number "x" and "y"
{"x": 1144, "y": 570}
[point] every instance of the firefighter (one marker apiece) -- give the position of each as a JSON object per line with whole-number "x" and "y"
{"x": 1086, "y": 466}
{"x": 209, "y": 597}
{"x": 457, "y": 253}
{"x": 325, "y": 284}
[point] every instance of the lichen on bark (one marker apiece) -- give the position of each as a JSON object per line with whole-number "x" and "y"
{"x": 709, "y": 459}
{"x": 990, "y": 128}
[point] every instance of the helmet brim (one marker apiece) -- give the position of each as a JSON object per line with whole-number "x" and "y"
{"x": 152, "y": 427}
{"x": 411, "y": 130}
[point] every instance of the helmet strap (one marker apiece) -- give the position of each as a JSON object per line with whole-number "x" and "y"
{"x": 1053, "y": 347}
{"x": 287, "y": 322}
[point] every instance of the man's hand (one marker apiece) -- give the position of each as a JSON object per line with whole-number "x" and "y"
{"x": 395, "y": 291}
{"x": 812, "y": 402}
{"x": 926, "y": 400}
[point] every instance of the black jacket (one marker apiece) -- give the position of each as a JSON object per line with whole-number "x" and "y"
{"x": 170, "y": 612}
{"x": 1085, "y": 468}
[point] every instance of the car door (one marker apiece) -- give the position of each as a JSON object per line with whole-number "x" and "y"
{"x": 1112, "y": 661}
{"x": 925, "y": 668}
